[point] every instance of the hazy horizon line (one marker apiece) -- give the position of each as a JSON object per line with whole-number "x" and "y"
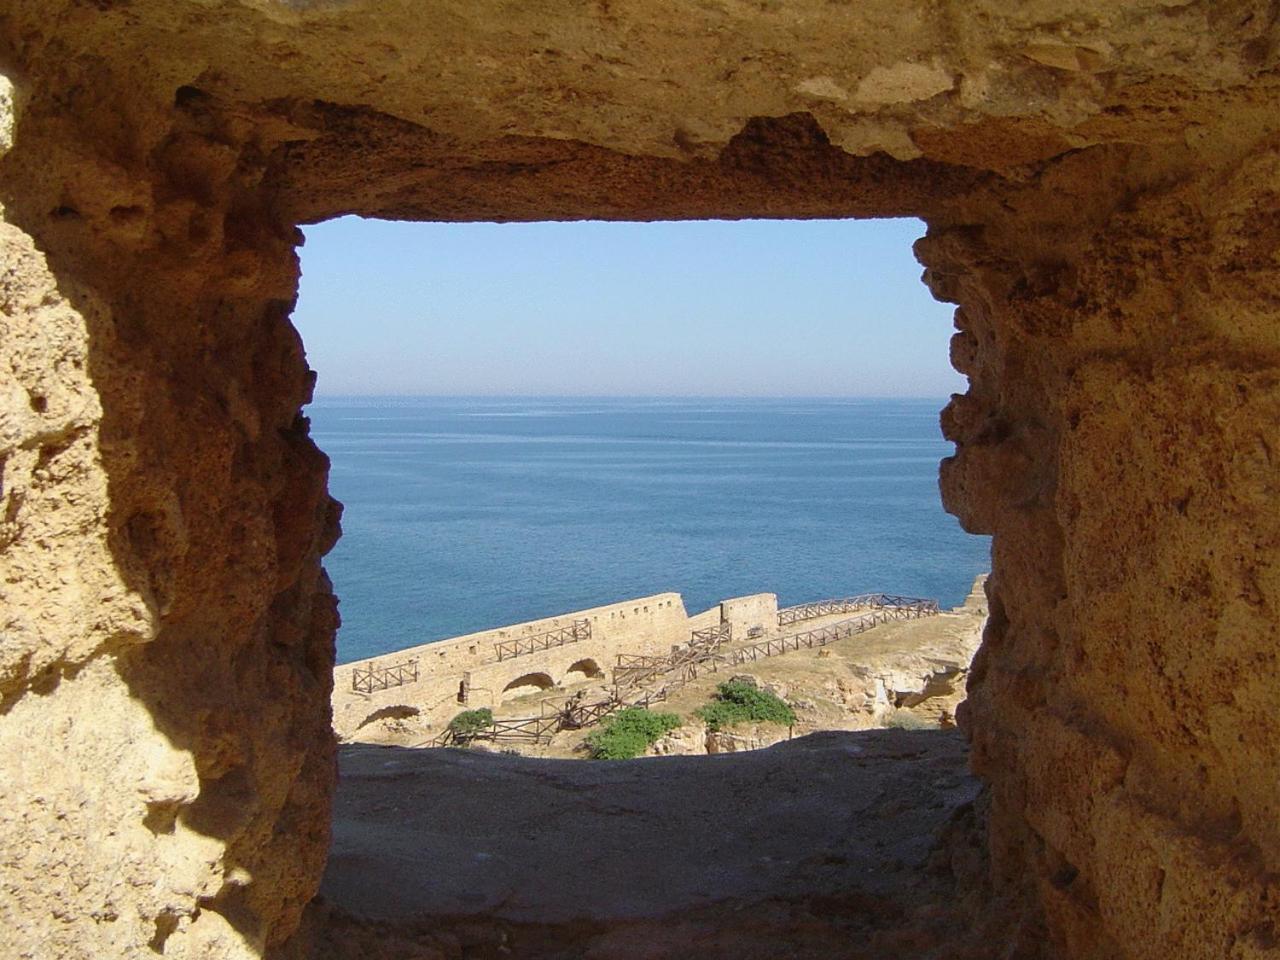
{"x": 630, "y": 396}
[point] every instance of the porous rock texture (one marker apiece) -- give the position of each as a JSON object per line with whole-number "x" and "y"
{"x": 1101, "y": 182}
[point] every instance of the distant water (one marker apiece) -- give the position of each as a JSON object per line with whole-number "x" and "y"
{"x": 464, "y": 513}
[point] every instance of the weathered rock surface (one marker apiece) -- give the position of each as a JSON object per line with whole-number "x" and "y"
{"x": 1102, "y": 187}
{"x": 687, "y": 740}
{"x": 745, "y": 737}
{"x": 587, "y": 848}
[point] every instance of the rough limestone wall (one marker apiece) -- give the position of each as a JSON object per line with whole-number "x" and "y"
{"x": 1100, "y": 182}
{"x": 1120, "y": 440}
{"x": 165, "y": 625}
{"x": 745, "y": 613}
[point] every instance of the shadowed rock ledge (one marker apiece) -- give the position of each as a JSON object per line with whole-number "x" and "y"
{"x": 830, "y": 845}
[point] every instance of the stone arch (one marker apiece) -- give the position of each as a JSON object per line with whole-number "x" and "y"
{"x": 526, "y": 684}
{"x": 395, "y": 711}
{"x": 585, "y": 669}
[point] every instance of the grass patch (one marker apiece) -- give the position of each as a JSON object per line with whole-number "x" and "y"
{"x": 470, "y": 722}
{"x": 901, "y": 720}
{"x": 628, "y": 733}
{"x": 738, "y": 701}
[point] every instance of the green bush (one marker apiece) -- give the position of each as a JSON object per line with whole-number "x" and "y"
{"x": 470, "y": 722}
{"x": 740, "y": 702}
{"x": 628, "y": 733}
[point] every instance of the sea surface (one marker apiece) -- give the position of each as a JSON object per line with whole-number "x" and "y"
{"x": 468, "y": 513}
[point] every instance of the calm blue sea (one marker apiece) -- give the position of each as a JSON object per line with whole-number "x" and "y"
{"x": 469, "y": 513}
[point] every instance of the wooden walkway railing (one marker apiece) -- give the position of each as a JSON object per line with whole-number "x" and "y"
{"x": 632, "y": 670}
{"x": 865, "y": 601}
{"x": 916, "y": 605}
{"x": 902, "y": 608}
{"x": 524, "y": 729}
{"x": 378, "y": 677}
{"x": 577, "y": 631}
{"x": 721, "y": 633}
{"x": 576, "y": 713}
{"x": 571, "y": 714}
{"x": 823, "y": 608}
{"x": 519, "y": 729}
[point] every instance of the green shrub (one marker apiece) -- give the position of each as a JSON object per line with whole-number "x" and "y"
{"x": 470, "y": 722}
{"x": 628, "y": 733}
{"x": 738, "y": 701}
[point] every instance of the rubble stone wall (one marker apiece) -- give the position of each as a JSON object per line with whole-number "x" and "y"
{"x": 1101, "y": 187}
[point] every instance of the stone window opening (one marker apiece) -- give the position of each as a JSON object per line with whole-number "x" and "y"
{"x": 513, "y": 692}
{"x": 1101, "y": 209}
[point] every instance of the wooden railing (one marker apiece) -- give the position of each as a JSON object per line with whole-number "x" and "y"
{"x": 518, "y": 729}
{"x": 865, "y": 601}
{"x": 571, "y": 714}
{"x": 712, "y": 636}
{"x": 823, "y": 608}
{"x": 897, "y": 608}
{"x": 577, "y": 631}
{"x": 575, "y": 714}
{"x": 676, "y": 669}
{"x": 632, "y": 670}
{"x": 378, "y": 677}
{"x": 915, "y": 606}
{"x": 526, "y": 729}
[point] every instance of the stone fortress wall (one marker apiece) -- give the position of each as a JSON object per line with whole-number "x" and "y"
{"x": 467, "y": 672}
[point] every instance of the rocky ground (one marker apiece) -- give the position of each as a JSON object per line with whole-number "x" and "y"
{"x": 908, "y": 674}
{"x": 837, "y": 844}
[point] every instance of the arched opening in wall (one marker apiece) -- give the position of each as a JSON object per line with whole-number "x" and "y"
{"x": 543, "y": 432}
{"x": 526, "y": 684}
{"x": 395, "y": 713}
{"x": 585, "y": 669}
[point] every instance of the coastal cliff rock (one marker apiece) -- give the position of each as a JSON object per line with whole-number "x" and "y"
{"x": 687, "y": 740}
{"x": 754, "y": 736}
{"x": 1101, "y": 183}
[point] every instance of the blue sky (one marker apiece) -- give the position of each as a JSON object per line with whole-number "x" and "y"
{"x": 710, "y": 308}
